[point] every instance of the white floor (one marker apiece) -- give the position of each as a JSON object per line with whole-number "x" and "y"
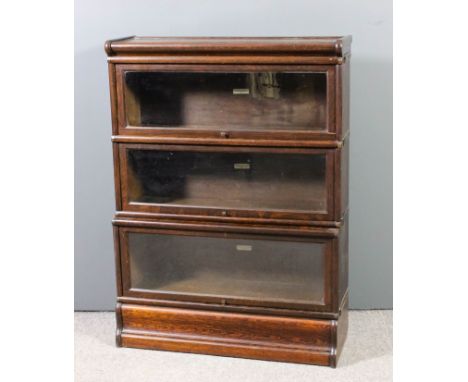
{"x": 367, "y": 356}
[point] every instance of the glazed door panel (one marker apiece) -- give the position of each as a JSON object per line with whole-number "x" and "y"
{"x": 250, "y": 270}
{"x": 218, "y": 101}
{"x": 227, "y": 182}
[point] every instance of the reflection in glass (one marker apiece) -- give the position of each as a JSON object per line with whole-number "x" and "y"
{"x": 262, "y": 181}
{"x": 234, "y": 101}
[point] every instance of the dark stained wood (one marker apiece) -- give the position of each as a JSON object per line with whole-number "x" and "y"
{"x": 178, "y": 314}
{"x": 211, "y": 306}
{"x": 224, "y": 59}
{"x": 119, "y": 325}
{"x": 344, "y": 177}
{"x": 228, "y": 227}
{"x": 343, "y": 259}
{"x": 117, "y": 180}
{"x": 197, "y": 140}
{"x": 216, "y": 50}
{"x": 341, "y": 196}
{"x": 228, "y": 334}
{"x": 113, "y": 98}
{"x": 342, "y": 98}
{"x": 300, "y": 340}
{"x": 285, "y": 331}
{"x": 223, "y": 219}
{"x": 118, "y": 268}
{"x": 320, "y": 46}
{"x": 341, "y": 331}
{"x": 108, "y": 44}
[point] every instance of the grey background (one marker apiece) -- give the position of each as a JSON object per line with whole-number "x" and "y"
{"x": 370, "y": 23}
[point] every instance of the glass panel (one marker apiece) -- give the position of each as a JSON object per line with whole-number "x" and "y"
{"x": 228, "y": 180}
{"x": 234, "y": 101}
{"x": 283, "y": 271}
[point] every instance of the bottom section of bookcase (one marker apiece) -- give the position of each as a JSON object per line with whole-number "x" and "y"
{"x": 272, "y": 338}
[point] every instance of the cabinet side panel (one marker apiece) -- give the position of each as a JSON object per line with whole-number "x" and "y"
{"x": 342, "y": 98}
{"x": 117, "y": 181}
{"x": 343, "y": 261}
{"x": 342, "y": 328}
{"x": 342, "y": 127}
{"x": 113, "y": 98}
{"x": 345, "y": 68}
{"x": 344, "y": 178}
{"x": 118, "y": 268}
{"x": 118, "y": 322}
{"x": 341, "y": 180}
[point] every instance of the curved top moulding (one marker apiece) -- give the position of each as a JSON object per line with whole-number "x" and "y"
{"x": 320, "y": 50}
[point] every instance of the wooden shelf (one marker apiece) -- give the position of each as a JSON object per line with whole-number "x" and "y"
{"x": 244, "y": 204}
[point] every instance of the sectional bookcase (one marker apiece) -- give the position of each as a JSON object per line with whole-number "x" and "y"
{"x": 231, "y": 186}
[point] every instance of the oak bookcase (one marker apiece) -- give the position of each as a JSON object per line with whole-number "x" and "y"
{"x": 231, "y": 185}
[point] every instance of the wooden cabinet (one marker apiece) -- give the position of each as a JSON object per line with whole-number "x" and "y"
{"x": 231, "y": 177}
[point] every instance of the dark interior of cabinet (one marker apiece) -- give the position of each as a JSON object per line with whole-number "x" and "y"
{"x": 273, "y": 270}
{"x": 228, "y": 180}
{"x": 237, "y": 101}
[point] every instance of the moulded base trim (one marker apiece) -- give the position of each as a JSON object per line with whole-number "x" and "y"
{"x": 272, "y": 338}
